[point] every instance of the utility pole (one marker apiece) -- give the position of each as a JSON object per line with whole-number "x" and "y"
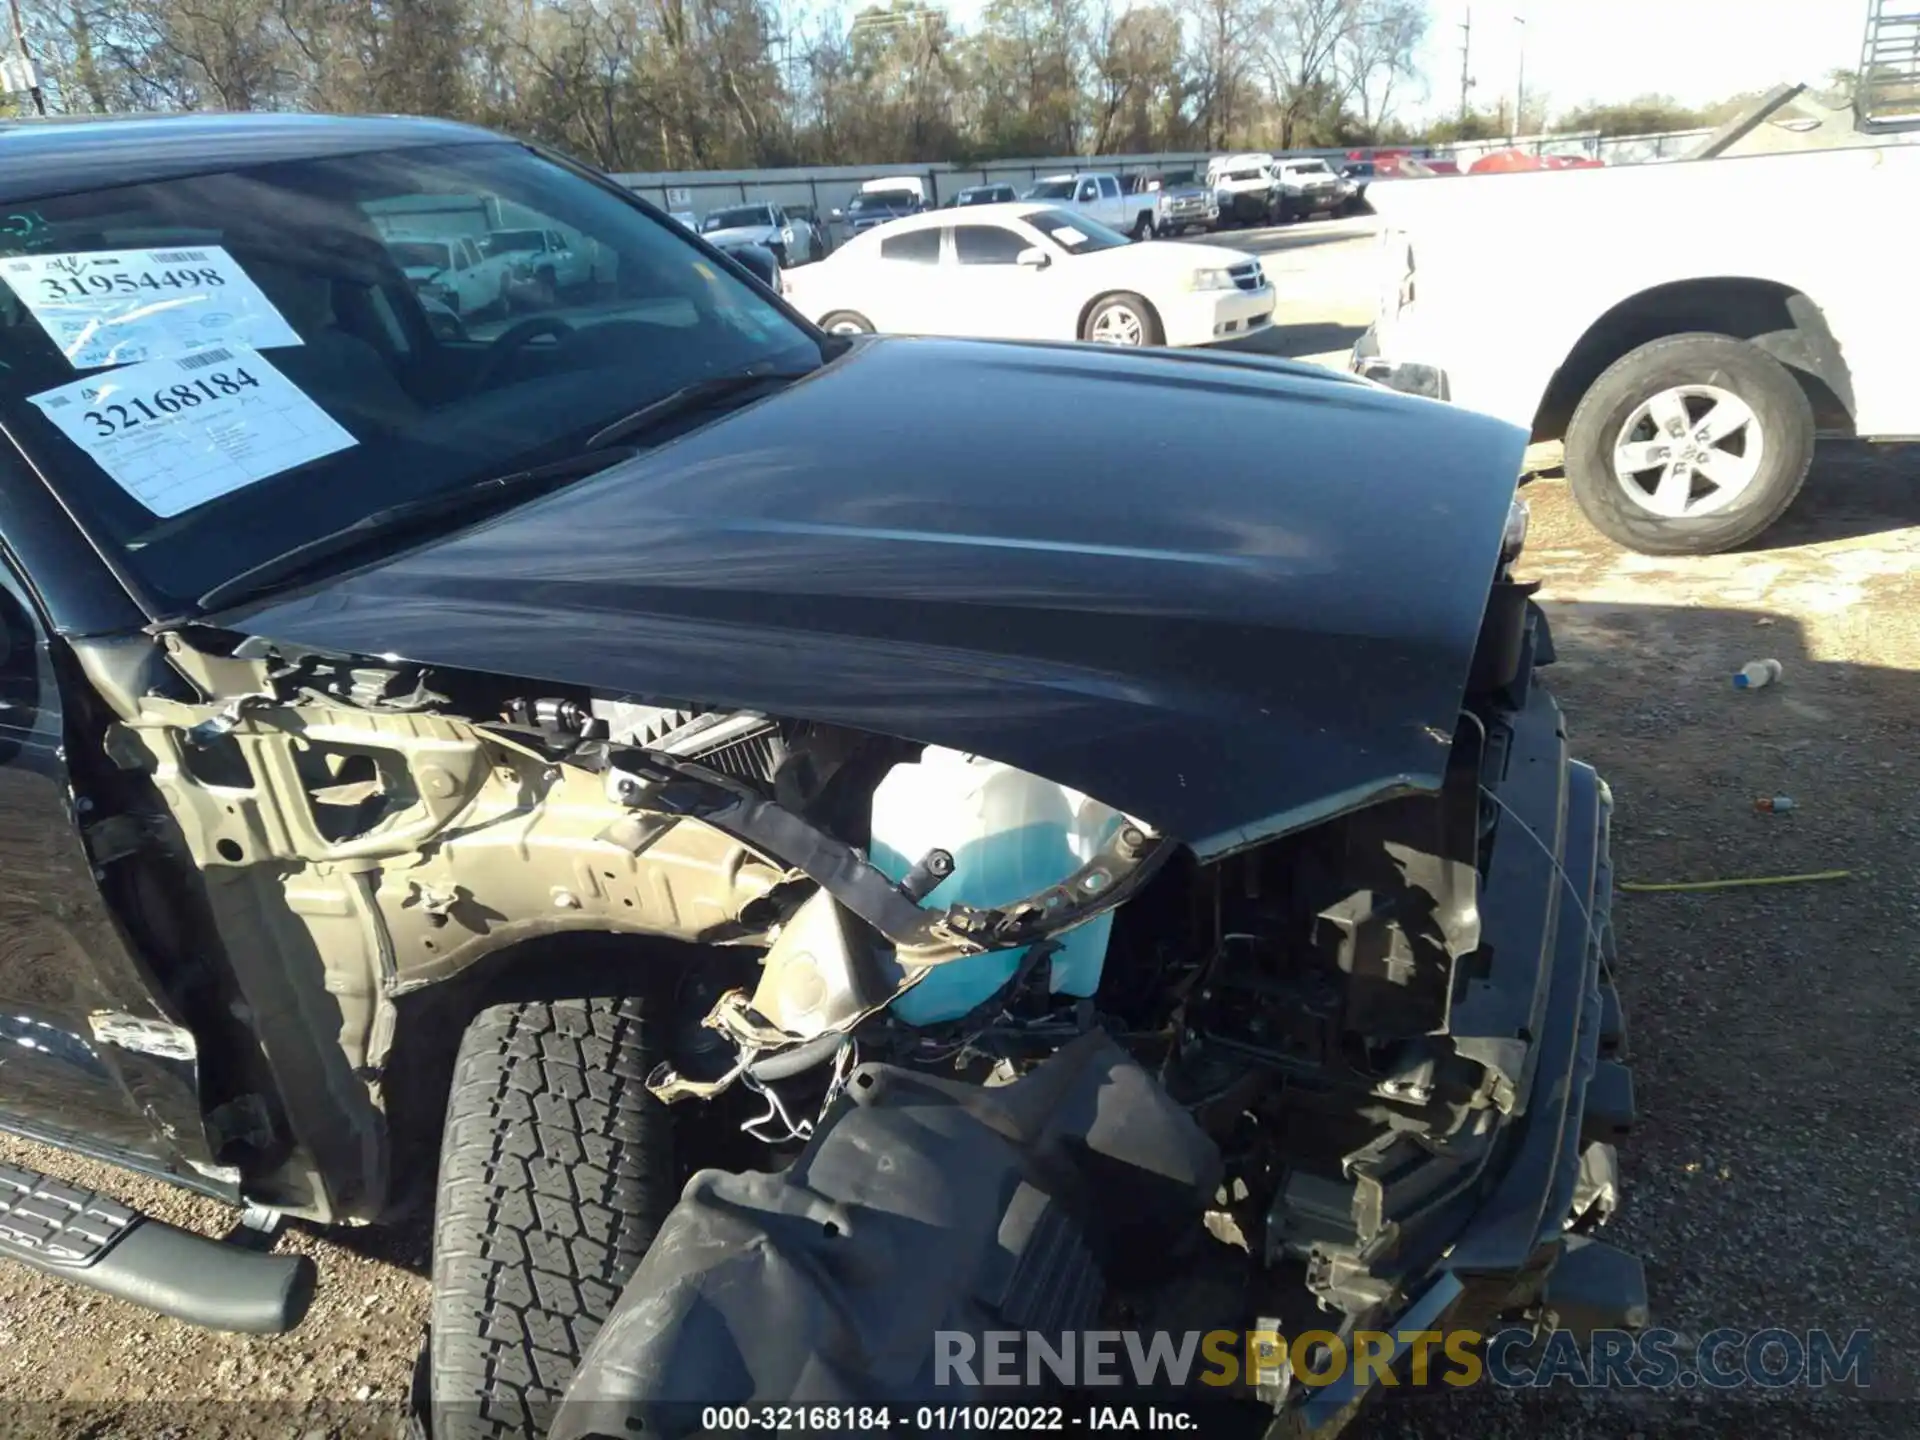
{"x": 1520, "y": 85}
{"x": 28, "y": 72}
{"x": 1465, "y": 62}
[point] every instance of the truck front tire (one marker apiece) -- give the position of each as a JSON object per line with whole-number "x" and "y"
{"x": 555, "y": 1172}
{"x": 1689, "y": 445}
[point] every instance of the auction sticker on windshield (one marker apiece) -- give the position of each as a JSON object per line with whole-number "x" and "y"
{"x": 177, "y": 433}
{"x": 119, "y": 307}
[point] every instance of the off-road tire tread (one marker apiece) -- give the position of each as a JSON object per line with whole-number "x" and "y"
{"x": 555, "y": 1173}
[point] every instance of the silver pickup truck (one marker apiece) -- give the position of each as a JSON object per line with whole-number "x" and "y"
{"x": 1182, "y": 201}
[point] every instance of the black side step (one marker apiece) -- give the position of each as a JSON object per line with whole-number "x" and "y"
{"x": 91, "y": 1240}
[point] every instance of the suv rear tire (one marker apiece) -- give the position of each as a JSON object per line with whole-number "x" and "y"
{"x": 1697, "y": 372}
{"x": 555, "y": 1172}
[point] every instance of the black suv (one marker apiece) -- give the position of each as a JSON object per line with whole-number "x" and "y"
{"x": 441, "y": 763}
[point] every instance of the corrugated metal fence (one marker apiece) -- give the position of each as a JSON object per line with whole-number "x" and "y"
{"x": 827, "y": 187}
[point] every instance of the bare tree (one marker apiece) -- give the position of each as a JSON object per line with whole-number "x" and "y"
{"x": 692, "y": 84}
{"x": 1226, "y": 35}
{"x": 1376, "y": 55}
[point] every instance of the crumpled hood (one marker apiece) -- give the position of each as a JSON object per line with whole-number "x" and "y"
{"x": 1229, "y": 596}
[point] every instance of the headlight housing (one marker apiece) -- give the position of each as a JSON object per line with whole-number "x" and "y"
{"x": 1513, "y": 539}
{"x": 1210, "y": 280}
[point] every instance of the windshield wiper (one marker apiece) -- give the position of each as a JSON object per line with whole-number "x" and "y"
{"x": 689, "y": 399}
{"x": 427, "y": 511}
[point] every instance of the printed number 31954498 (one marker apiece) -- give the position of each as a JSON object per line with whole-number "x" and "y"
{"x": 126, "y": 282}
{"x": 170, "y": 400}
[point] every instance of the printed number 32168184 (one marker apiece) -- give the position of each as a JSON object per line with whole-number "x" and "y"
{"x": 170, "y": 400}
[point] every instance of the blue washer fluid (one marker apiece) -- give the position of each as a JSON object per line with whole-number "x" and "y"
{"x": 1010, "y": 834}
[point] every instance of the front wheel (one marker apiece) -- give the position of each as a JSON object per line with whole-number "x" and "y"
{"x": 847, "y": 322}
{"x": 1143, "y": 228}
{"x": 1689, "y": 445}
{"x": 555, "y": 1173}
{"x": 1122, "y": 319}
{"x": 546, "y": 291}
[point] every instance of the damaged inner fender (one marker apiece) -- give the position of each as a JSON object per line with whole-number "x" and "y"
{"x": 351, "y": 823}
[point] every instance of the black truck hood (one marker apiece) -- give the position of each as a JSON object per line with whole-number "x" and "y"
{"x": 1231, "y": 597}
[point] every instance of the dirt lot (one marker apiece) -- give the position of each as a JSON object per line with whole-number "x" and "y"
{"x": 1774, "y": 1178}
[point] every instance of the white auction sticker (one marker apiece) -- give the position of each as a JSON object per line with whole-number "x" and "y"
{"x": 119, "y": 307}
{"x": 177, "y": 433}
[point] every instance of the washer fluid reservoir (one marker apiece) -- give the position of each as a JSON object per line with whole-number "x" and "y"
{"x": 1010, "y": 834}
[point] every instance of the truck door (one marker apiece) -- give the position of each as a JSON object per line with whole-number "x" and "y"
{"x": 1113, "y": 205}
{"x": 1086, "y": 197}
{"x": 88, "y": 1054}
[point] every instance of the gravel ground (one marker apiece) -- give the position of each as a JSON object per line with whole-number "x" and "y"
{"x": 1773, "y": 1179}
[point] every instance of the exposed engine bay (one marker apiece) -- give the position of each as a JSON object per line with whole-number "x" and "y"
{"x": 1337, "y": 1013}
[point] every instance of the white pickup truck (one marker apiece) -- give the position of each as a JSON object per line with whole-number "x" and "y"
{"x": 455, "y": 271}
{"x": 1099, "y": 195}
{"x": 544, "y": 263}
{"x": 1685, "y": 328}
{"x": 1310, "y": 187}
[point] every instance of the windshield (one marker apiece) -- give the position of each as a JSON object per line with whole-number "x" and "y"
{"x": 213, "y": 370}
{"x": 1309, "y": 167}
{"x": 1074, "y": 233}
{"x": 420, "y": 254}
{"x": 1051, "y": 190}
{"x": 741, "y": 217}
{"x": 993, "y": 195}
{"x": 503, "y": 242}
{"x": 883, "y": 200}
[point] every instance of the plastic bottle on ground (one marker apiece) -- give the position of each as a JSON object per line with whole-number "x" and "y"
{"x": 1756, "y": 674}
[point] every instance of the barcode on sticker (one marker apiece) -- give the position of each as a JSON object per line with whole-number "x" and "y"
{"x": 200, "y": 359}
{"x": 178, "y": 257}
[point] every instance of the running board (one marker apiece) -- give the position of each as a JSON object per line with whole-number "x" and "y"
{"x": 84, "y": 1237}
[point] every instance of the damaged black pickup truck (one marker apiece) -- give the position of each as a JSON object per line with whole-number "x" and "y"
{"x": 646, "y": 754}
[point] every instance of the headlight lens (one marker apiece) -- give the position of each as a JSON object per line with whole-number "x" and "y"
{"x": 1513, "y": 539}
{"x": 1210, "y": 280}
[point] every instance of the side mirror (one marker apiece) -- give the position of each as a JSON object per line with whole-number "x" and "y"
{"x": 1034, "y": 258}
